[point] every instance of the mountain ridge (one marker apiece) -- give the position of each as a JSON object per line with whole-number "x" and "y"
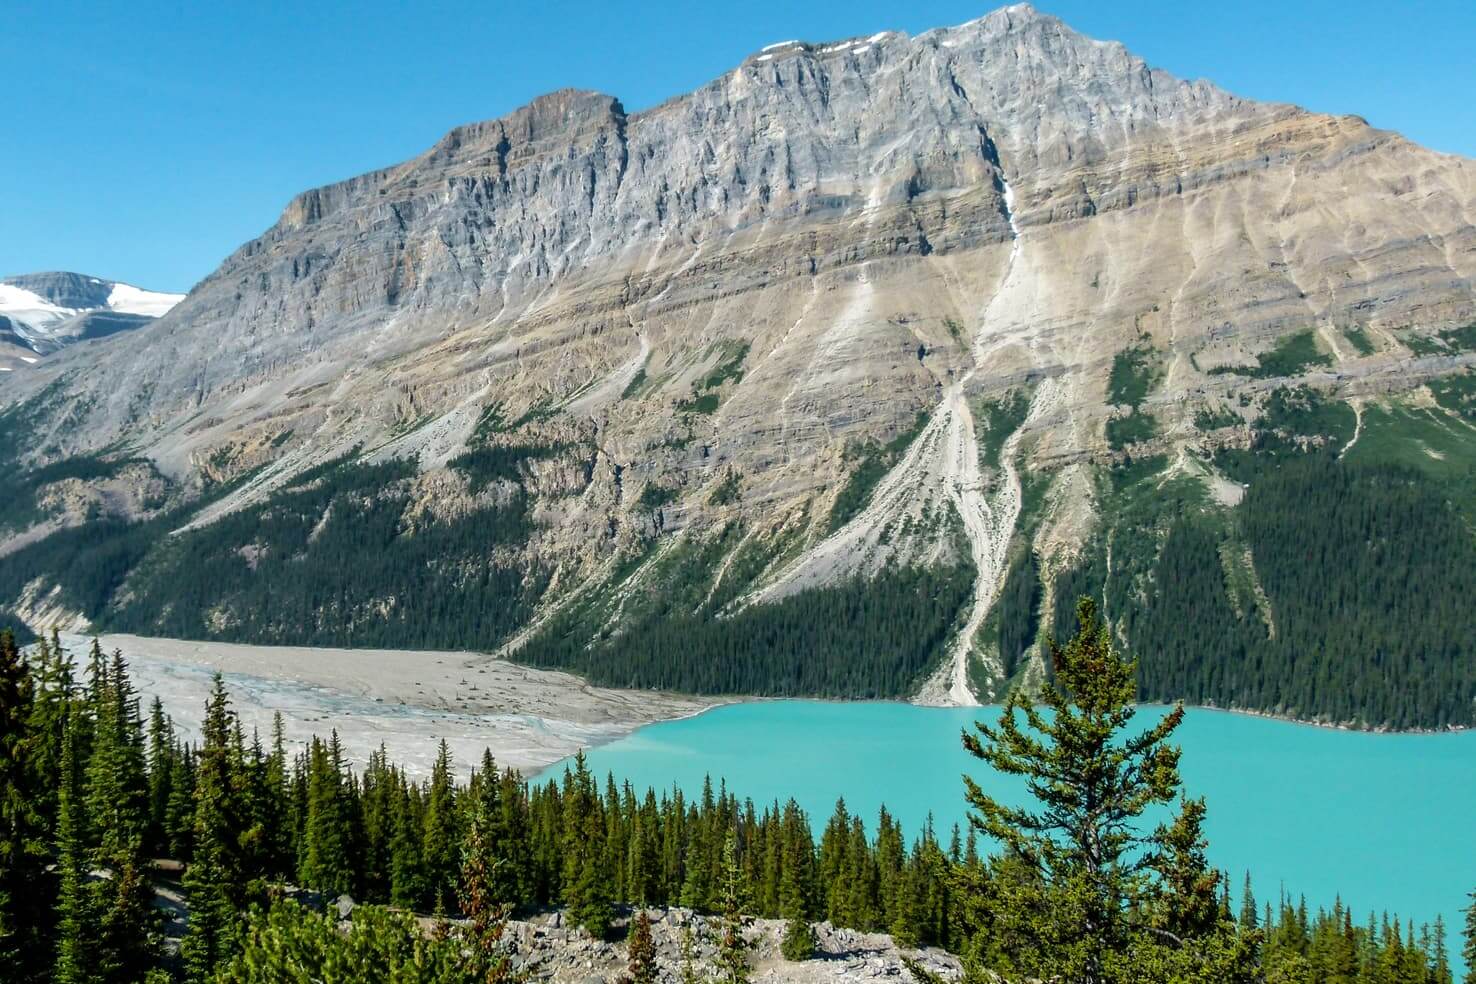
{"x": 962, "y": 279}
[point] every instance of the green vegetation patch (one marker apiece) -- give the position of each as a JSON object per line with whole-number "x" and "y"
{"x": 502, "y": 463}
{"x": 1213, "y": 418}
{"x": 729, "y": 368}
{"x": 1293, "y": 355}
{"x": 654, "y": 496}
{"x": 998, "y": 419}
{"x": 1135, "y": 428}
{"x": 1358, "y": 564}
{"x": 873, "y": 461}
{"x": 1135, "y": 371}
{"x": 334, "y": 561}
{"x": 867, "y": 638}
{"x": 1432, "y": 442}
{"x": 1359, "y": 338}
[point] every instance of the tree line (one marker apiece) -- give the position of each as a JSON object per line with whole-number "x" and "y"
{"x": 1074, "y": 889}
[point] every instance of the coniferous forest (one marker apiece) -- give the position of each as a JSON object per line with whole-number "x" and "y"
{"x": 1075, "y": 887}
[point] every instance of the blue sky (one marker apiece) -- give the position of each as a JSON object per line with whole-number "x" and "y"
{"x": 144, "y": 141}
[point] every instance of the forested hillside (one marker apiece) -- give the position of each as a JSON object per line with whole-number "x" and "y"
{"x": 1332, "y": 586}
{"x": 96, "y": 793}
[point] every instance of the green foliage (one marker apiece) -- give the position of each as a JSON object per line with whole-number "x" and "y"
{"x": 654, "y": 496}
{"x": 486, "y": 464}
{"x": 336, "y": 560}
{"x": 999, "y": 419}
{"x": 1462, "y": 339}
{"x": 1132, "y": 429}
{"x": 706, "y": 403}
{"x": 1135, "y": 371}
{"x": 1215, "y": 417}
{"x": 1433, "y": 443}
{"x": 1078, "y": 891}
{"x": 289, "y": 943}
{"x": 1360, "y": 340}
{"x": 873, "y": 463}
{"x": 1292, "y": 355}
{"x": 1073, "y": 870}
{"x": 1296, "y": 417}
{"x": 867, "y": 637}
{"x": 530, "y": 846}
{"x": 1335, "y": 591}
{"x": 727, "y": 491}
{"x": 23, "y": 847}
{"x": 1019, "y": 610}
{"x": 729, "y": 368}
{"x": 1457, "y": 393}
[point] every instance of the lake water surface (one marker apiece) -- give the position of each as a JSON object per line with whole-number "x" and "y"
{"x": 1384, "y": 821}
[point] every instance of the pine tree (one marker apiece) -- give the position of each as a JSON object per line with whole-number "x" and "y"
{"x": 327, "y": 862}
{"x": 213, "y": 882}
{"x": 796, "y": 885}
{"x": 75, "y": 942}
{"x": 586, "y": 883}
{"x": 1248, "y": 918}
{"x": 1076, "y": 867}
{"x": 23, "y": 847}
{"x": 732, "y": 947}
{"x": 641, "y": 951}
{"x": 690, "y": 974}
{"x": 441, "y": 841}
{"x": 1468, "y": 952}
{"x": 490, "y": 961}
{"x": 161, "y": 775}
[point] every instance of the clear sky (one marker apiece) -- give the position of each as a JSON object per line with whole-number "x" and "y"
{"x": 144, "y": 141}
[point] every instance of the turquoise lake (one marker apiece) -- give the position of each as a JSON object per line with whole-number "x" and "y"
{"x": 1384, "y": 821}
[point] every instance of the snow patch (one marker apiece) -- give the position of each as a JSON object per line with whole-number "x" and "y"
{"x": 779, "y": 44}
{"x": 127, "y": 299}
{"x": 27, "y": 358}
{"x": 29, "y": 307}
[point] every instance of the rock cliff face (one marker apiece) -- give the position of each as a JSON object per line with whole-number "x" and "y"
{"x": 723, "y": 297}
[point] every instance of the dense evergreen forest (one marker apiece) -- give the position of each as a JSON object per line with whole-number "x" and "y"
{"x": 91, "y": 792}
{"x": 1337, "y": 590}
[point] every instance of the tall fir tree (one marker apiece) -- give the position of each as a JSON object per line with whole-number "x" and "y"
{"x": 1468, "y": 952}
{"x": 76, "y": 944}
{"x": 796, "y": 884}
{"x": 1075, "y": 865}
{"x": 440, "y": 844}
{"x": 23, "y": 836}
{"x": 732, "y": 958}
{"x": 213, "y": 882}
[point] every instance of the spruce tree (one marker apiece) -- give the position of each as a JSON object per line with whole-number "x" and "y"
{"x": 75, "y": 919}
{"x": 23, "y": 841}
{"x": 489, "y": 959}
{"x": 161, "y": 775}
{"x": 641, "y": 951}
{"x": 213, "y": 881}
{"x": 1076, "y": 865}
{"x": 796, "y": 885}
{"x": 732, "y": 946}
{"x": 1468, "y": 952}
{"x": 441, "y": 842}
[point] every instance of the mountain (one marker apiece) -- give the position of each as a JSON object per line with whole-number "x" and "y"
{"x": 43, "y": 312}
{"x": 841, "y": 375}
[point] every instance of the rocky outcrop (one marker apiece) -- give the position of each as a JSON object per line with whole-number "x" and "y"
{"x": 552, "y": 952}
